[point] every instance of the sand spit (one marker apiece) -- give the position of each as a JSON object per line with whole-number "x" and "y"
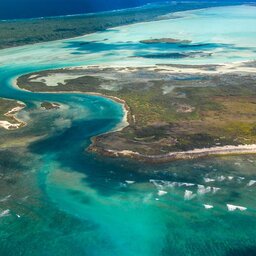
{"x": 225, "y": 68}
{"x": 190, "y": 154}
{"x": 12, "y": 114}
{"x": 236, "y": 67}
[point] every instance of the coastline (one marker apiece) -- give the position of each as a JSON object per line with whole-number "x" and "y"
{"x": 147, "y": 10}
{"x": 223, "y": 68}
{"x": 12, "y": 114}
{"x": 162, "y": 14}
{"x": 171, "y": 156}
{"x": 127, "y": 117}
{"x": 182, "y": 155}
{"x": 128, "y": 120}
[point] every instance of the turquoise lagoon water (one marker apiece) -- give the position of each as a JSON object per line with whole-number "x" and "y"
{"x": 218, "y": 35}
{"x": 58, "y": 199}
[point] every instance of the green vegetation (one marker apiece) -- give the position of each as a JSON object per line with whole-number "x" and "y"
{"x": 22, "y": 32}
{"x": 169, "y": 115}
{"x": 48, "y": 105}
{"x": 5, "y": 106}
{"x": 165, "y": 41}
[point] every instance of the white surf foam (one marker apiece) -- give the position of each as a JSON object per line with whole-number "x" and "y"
{"x": 162, "y": 192}
{"x": 130, "y": 181}
{"x": 207, "y": 180}
{"x": 189, "y": 195}
{"x": 4, "y": 213}
{"x": 215, "y": 190}
{"x": 208, "y": 206}
{"x": 251, "y": 183}
{"x": 203, "y": 190}
{"x": 185, "y": 184}
{"x": 221, "y": 178}
{"x": 232, "y": 207}
{"x": 157, "y": 183}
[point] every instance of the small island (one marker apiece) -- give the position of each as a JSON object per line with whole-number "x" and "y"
{"x": 48, "y": 105}
{"x": 165, "y": 41}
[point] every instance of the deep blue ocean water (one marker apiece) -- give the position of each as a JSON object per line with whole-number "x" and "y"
{"x": 17, "y": 9}
{"x": 14, "y": 9}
